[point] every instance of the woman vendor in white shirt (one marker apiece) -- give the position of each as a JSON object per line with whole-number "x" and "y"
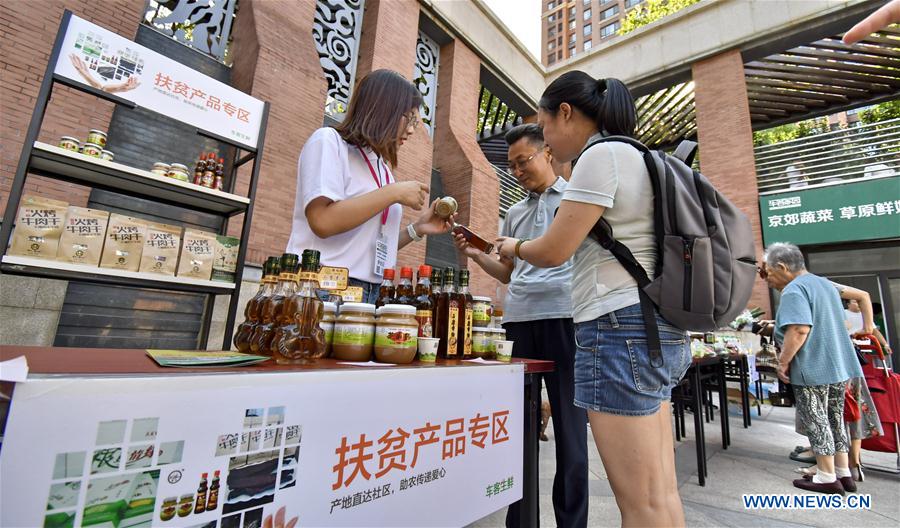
{"x": 348, "y": 205}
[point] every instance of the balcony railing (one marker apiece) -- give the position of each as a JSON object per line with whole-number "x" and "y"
{"x": 866, "y": 151}
{"x": 510, "y": 190}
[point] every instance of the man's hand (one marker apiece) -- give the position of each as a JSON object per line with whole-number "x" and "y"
{"x": 784, "y": 372}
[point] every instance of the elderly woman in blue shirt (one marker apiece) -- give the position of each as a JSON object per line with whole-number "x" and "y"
{"x": 817, "y": 358}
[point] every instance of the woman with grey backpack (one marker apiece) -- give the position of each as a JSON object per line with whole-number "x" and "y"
{"x": 625, "y": 393}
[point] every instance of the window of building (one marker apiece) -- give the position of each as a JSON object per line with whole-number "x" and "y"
{"x": 587, "y": 30}
{"x": 572, "y": 11}
{"x": 552, "y": 18}
{"x": 550, "y": 5}
{"x": 587, "y": 2}
{"x": 587, "y": 45}
{"x": 559, "y": 27}
{"x": 559, "y": 55}
{"x": 610, "y": 30}
{"x": 552, "y": 32}
{"x": 572, "y": 38}
{"x": 587, "y": 14}
{"x": 551, "y": 45}
{"x": 572, "y": 50}
{"x": 631, "y": 3}
{"x": 572, "y": 25}
{"x": 559, "y": 41}
{"x": 609, "y": 13}
{"x": 551, "y": 58}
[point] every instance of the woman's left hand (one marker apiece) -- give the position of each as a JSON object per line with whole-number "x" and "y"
{"x": 507, "y": 247}
{"x": 429, "y": 223}
{"x": 784, "y": 372}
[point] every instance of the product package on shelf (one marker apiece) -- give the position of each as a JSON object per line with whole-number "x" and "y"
{"x": 226, "y": 255}
{"x": 197, "y": 254}
{"x": 161, "y": 245}
{"x": 124, "y": 243}
{"x": 38, "y": 227}
{"x": 82, "y": 237}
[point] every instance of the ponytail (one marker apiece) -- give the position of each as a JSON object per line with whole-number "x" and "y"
{"x": 607, "y": 101}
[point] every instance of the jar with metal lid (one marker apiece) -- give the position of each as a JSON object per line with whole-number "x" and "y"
{"x": 496, "y": 317}
{"x": 97, "y": 137}
{"x": 354, "y": 332}
{"x": 106, "y": 155}
{"x": 160, "y": 169}
{"x": 327, "y": 324}
{"x": 446, "y": 206}
{"x": 481, "y": 311}
{"x": 482, "y": 342}
{"x": 396, "y": 334}
{"x": 92, "y": 149}
{"x": 69, "y": 143}
{"x": 179, "y": 172}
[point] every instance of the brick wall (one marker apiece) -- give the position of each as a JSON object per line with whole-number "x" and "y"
{"x": 388, "y": 41}
{"x": 726, "y": 142}
{"x": 27, "y": 33}
{"x": 465, "y": 172}
{"x": 278, "y": 63}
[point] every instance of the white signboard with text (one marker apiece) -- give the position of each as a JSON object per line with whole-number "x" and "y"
{"x": 104, "y": 60}
{"x": 397, "y": 447}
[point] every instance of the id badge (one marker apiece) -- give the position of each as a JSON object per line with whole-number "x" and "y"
{"x": 381, "y": 254}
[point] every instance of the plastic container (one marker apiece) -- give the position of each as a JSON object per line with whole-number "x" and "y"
{"x": 160, "y": 169}
{"x": 396, "y": 334}
{"x": 92, "y": 149}
{"x": 179, "y": 172}
{"x": 97, "y": 137}
{"x": 354, "y": 332}
{"x": 69, "y": 143}
{"x": 106, "y": 155}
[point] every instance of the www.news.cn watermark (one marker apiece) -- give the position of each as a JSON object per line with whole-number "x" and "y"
{"x": 773, "y": 501}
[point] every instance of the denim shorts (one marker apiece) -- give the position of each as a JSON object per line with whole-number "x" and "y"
{"x": 613, "y": 373}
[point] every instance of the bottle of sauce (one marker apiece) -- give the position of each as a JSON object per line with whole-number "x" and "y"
{"x": 200, "y": 505}
{"x": 251, "y": 312}
{"x": 270, "y": 308}
{"x": 423, "y": 303}
{"x": 209, "y": 172}
{"x": 405, "y": 293}
{"x": 448, "y": 317}
{"x": 464, "y": 343}
{"x": 212, "y": 503}
{"x": 473, "y": 239}
{"x": 437, "y": 287}
{"x": 386, "y": 292}
{"x": 301, "y": 338}
{"x": 219, "y": 183}
{"x": 199, "y": 168}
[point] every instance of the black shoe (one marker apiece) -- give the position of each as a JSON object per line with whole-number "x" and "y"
{"x": 803, "y": 460}
{"x": 832, "y": 488}
{"x": 800, "y": 449}
{"x": 848, "y": 484}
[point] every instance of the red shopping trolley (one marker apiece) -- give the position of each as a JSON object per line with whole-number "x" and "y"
{"x": 884, "y": 385}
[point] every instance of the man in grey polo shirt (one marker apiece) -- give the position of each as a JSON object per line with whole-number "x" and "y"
{"x": 538, "y": 317}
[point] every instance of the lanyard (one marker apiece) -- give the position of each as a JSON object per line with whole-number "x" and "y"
{"x": 384, "y": 214}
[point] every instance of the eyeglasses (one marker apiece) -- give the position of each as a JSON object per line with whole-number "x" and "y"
{"x": 763, "y": 273}
{"x": 412, "y": 121}
{"x": 513, "y": 165}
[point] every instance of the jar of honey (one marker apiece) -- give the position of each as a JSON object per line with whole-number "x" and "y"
{"x": 354, "y": 332}
{"x": 396, "y": 334}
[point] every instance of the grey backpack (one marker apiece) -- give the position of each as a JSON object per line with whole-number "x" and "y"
{"x": 706, "y": 262}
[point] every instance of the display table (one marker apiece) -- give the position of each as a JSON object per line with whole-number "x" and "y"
{"x": 107, "y": 436}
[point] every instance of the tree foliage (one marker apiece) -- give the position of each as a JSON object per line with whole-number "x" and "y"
{"x": 651, "y": 11}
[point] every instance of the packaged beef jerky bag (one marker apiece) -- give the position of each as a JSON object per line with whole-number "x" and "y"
{"x": 197, "y": 253}
{"x": 225, "y": 262}
{"x": 161, "y": 245}
{"x": 124, "y": 243}
{"x": 82, "y": 238}
{"x": 38, "y": 227}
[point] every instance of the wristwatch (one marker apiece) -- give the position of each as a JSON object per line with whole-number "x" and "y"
{"x": 411, "y": 230}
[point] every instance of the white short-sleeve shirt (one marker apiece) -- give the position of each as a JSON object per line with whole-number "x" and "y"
{"x": 332, "y": 168}
{"x": 612, "y": 175}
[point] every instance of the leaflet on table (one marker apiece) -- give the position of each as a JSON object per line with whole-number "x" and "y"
{"x": 227, "y": 450}
{"x": 102, "y": 59}
{"x": 193, "y": 358}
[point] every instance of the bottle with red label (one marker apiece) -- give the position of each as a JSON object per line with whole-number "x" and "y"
{"x": 219, "y": 184}
{"x": 209, "y": 173}
{"x": 424, "y": 306}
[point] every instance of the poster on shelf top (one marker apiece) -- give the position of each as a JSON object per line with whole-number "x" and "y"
{"x": 102, "y": 59}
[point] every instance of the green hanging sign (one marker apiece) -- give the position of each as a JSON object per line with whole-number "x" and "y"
{"x": 866, "y": 209}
